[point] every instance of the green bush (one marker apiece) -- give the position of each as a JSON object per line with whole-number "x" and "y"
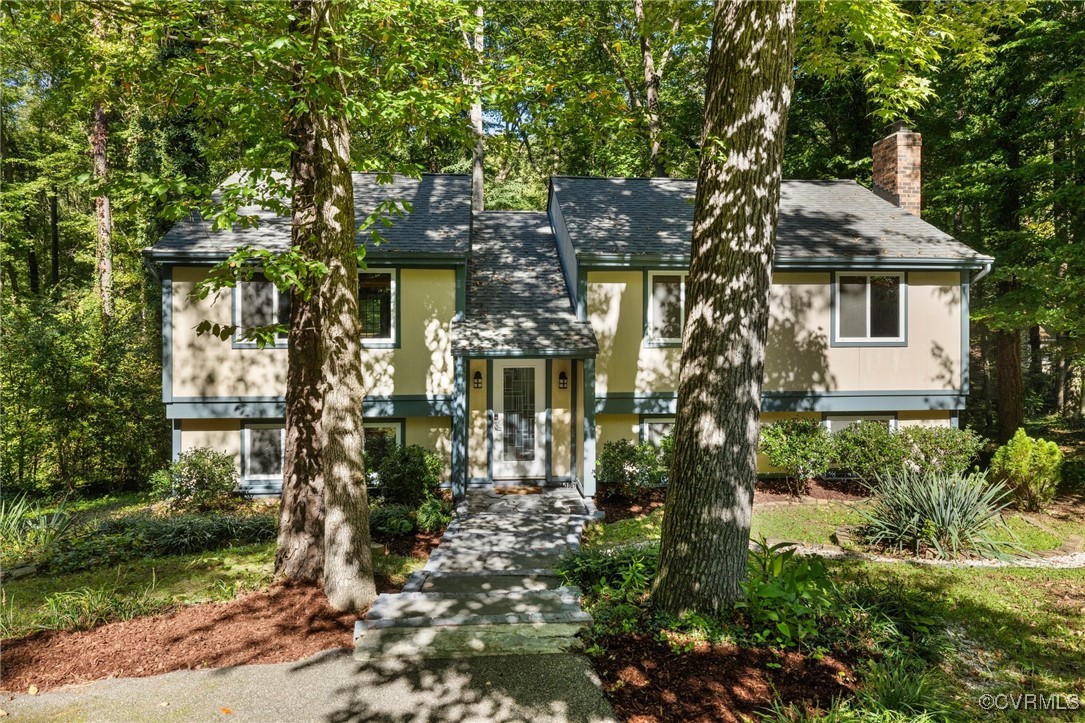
{"x": 434, "y": 514}
{"x": 624, "y": 468}
{"x": 408, "y": 475}
{"x": 803, "y": 448}
{"x": 1030, "y": 468}
{"x": 624, "y": 572}
{"x": 200, "y": 480}
{"x": 945, "y": 515}
{"x": 867, "y": 449}
{"x": 134, "y": 536}
{"x": 944, "y": 450}
{"x": 390, "y": 520}
{"x": 785, "y": 595}
{"x": 26, "y": 529}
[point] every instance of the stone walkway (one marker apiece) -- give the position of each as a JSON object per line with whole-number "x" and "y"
{"x": 490, "y": 588}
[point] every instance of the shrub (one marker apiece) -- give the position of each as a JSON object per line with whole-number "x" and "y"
{"x": 801, "y": 447}
{"x": 867, "y": 449}
{"x": 408, "y": 475}
{"x": 126, "y": 538}
{"x": 390, "y": 520}
{"x": 944, "y": 450}
{"x": 26, "y": 529}
{"x": 946, "y": 515}
{"x": 785, "y": 595}
{"x": 434, "y": 514}
{"x": 200, "y": 480}
{"x": 624, "y": 572}
{"x": 1030, "y": 468}
{"x": 624, "y": 468}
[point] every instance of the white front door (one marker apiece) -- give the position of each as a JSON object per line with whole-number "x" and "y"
{"x": 519, "y": 419}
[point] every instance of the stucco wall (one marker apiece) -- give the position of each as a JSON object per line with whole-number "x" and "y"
{"x": 799, "y": 355}
{"x": 933, "y": 418}
{"x": 477, "y": 427}
{"x": 204, "y": 366}
{"x": 561, "y": 420}
{"x": 433, "y": 433}
{"x": 221, "y": 435}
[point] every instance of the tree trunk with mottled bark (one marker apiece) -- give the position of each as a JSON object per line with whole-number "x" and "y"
{"x": 707, "y": 527}
{"x": 478, "y": 175}
{"x": 54, "y": 238}
{"x": 103, "y": 210}
{"x": 1011, "y": 391}
{"x": 651, "y": 94}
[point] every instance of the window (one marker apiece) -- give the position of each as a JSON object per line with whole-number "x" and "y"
{"x": 870, "y": 308}
{"x": 653, "y": 430}
{"x": 376, "y": 305}
{"x": 836, "y": 422}
{"x": 666, "y": 306}
{"x": 264, "y": 447}
{"x": 378, "y": 440}
{"x": 258, "y": 303}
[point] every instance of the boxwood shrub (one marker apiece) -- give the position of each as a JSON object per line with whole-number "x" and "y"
{"x": 1030, "y": 468}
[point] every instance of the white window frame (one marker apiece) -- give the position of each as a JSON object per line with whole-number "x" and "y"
{"x": 683, "y": 277}
{"x": 280, "y": 339}
{"x": 393, "y": 331}
{"x": 868, "y": 339}
{"x": 645, "y": 421}
{"x": 396, "y": 425}
{"x": 246, "y": 448}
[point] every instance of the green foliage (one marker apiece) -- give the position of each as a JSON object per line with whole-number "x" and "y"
{"x": 200, "y": 480}
{"x": 88, "y": 608}
{"x": 785, "y": 595}
{"x": 434, "y": 514}
{"x": 390, "y": 520}
{"x": 802, "y": 447}
{"x": 940, "y": 450}
{"x": 1030, "y": 468}
{"x": 944, "y": 515}
{"x": 623, "y": 572}
{"x": 624, "y": 468}
{"x": 409, "y": 475}
{"x": 136, "y": 536}
{"x": 27, "y": 529}
{"x": 867, "y": 449}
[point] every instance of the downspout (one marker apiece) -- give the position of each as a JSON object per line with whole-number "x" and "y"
{"x": 984, "y": 271}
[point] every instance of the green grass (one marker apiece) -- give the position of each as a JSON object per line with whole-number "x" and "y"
{"x": 177, "y": 580}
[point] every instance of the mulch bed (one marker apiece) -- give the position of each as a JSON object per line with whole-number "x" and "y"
{"x": 645, "y": 681}
{"x": 416, "y": 544}
{"x": 778, "y": 490}
{"x": 640, "y": 506}
{"x": 283, "y": 623}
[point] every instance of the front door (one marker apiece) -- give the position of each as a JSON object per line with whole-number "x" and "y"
{"x": 519, "y": 419}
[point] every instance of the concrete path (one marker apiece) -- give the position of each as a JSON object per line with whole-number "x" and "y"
{"x": 490, "y": 587}
{"x": 334, "y": 688}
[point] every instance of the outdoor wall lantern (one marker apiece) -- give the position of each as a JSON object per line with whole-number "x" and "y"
{"x": 477, "y": 380}
{"x": 563, "y": 381}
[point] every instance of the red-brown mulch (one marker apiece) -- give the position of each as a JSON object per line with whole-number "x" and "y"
{"x": 417, "y": 544}
{"x": 778, "y": 490}
{"x": 642, "y": 505}
{"x": 645, "y": 681}
{"x": 283, "y": 623}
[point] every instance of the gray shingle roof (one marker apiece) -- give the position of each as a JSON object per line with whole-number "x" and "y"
{"x": 516, "y": 295}
{"x": 817, "y": 219}
{"x": 440, "y": 222}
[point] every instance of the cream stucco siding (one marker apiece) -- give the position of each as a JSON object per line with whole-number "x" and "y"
{"x": 221, "y": 435}
{"x": 932, "y": 418}
{"x": 612, "y": 427}
{"x": 477, "y": 454}
{"x": 433, "y": 433}
{"x": 205, "y": 366}
{"x": 560, "y": 420}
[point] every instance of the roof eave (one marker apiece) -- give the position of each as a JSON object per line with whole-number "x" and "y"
{"x": 613, "y": 260}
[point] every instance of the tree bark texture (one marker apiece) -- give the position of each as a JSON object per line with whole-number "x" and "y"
{"x": 103, "y": 210}
{"x": 707, "y": 527}
{"x": 54, "y": 238}
{"x": 1011, "y": 390}
{"x": 348, "y": 564}
{"x": 478, "y": 175}
{"x": 651, "y": 93}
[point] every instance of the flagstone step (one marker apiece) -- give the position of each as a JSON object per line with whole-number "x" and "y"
{"x": 467, "y": 582}
{"x": 506, "y": 638}
{"x": 403, "y": 607}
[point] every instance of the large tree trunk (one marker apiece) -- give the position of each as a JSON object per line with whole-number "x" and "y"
{"x": 54, "y": 238}
{"x": 707, "y": 527}
{"x": 478, "y": 176}
{"x": 348, "y": 564}
{"x": 651, "y": 93}
{"x": 1011, "y": 397}
{"x": 103, "y": 211}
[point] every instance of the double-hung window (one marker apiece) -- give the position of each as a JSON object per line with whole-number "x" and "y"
{"x": 377, "y": 306}
{"x": 654, "y": 429}
{"x": 258, "y": 303}
{"x": 264, "y": 449}
{"x": 666, "y": 306}
{"x": 869, "y": 308}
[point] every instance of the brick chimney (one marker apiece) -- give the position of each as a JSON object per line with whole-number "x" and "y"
{"x": 897, "y": 167}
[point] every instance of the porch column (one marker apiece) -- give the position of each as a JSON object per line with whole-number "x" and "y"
{"x": 589, "y": 427}
{"x": 459, "y": 429}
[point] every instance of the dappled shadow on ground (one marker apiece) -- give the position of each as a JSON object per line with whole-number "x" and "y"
{"x": 283, "y": 623}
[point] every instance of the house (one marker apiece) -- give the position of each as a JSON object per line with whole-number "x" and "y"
{"x": 515, "y": 343}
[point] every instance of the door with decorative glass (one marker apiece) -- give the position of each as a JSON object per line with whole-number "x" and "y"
{"x": 519, "y": 419}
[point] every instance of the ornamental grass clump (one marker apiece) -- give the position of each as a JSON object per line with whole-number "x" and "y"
{"x": 943, "y": 515}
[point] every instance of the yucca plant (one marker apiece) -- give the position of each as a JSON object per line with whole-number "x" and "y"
{"x": 947, "y": 515}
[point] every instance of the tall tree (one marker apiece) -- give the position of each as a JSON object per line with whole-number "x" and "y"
{"x": 707, "y": 527}
{"x": 476, "y": 41}
{"x": 99, "y": 152}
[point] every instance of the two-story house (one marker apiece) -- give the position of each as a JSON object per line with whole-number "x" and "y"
{"x": 514, "y": 343}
